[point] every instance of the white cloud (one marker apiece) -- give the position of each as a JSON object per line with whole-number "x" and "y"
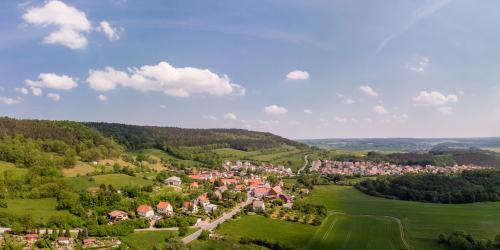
{"x": 10, "y": 101}
{"x": 267, "y": 122}
{"x": 275, "y": 110}
{"x": 297, "y": 75}
{"x": 211, "y": 117}
{"x": 22, "y": 90}
{"x": 400, "y": 117}
{"x": 36, "y": 91}
{"x": 102, "y": 98}
{"x": 368, "y": 90}
{"x": 433, "y": 98}
{"x": 340, "y": 119}
{"x": 111, "y": 33}
{"x": 180, "y": 82}
{"x": 445, "y": 110}
{"x": 419, "y": 65}
{"x": 52, "y": 81}
{"x": 71, "y": 24}
{"x": 380, "y": 110}
{"x": 350, "y": 101}
{"x": 231, "y": 116}
{"x": 54, "y": 97}
{"x": 307, "y": 111}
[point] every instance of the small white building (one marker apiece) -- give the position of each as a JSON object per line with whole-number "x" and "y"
{"x": 173, "y": 181}
{"x": 209, "y": 208}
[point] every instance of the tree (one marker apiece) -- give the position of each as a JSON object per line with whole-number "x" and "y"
{"x": 204, "y": 235}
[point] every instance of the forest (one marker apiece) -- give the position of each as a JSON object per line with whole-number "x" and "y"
{"x": 466, "y": 187}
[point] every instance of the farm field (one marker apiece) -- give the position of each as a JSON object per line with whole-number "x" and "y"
{"x": 117, "y": 180}
{"x": 422, "y": 222}
{"x": 41, "y": 210}
{"x": 260, "y": 227}
{"x": 147, "y": 240}
{"x": 341, "y": 231}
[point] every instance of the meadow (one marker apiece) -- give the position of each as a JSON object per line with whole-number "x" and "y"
{"x": 41, "y": 210}
{"x": 147, "y": 240}
{"x": 422, "y": 222}
{"x": 116, "y": 180}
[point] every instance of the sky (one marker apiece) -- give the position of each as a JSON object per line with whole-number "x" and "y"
{"x": 296, "y": 68}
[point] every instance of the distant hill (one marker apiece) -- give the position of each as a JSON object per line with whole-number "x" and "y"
{"x": 139, "y": 137}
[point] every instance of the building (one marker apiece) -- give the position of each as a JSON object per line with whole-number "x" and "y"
{"x": 31, "y": 237}
{"x": 173, "y": 181}
{"x": 189, "y": 207}
{"x": 117, "y": 215}
{"x": 64, "y": 240}
{"x": 145, "y": 211}
{"x": 258, "y": 206}
{"x": 209, "y": 208}
{"x": 275, "y": 191}
{"x": 202, "y": 200}
{"x": 260, "y": 192}
{"x": 165, "y": 208}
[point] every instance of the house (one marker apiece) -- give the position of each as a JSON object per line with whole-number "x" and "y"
{"x": 209, "y": 208}
{"x": 117, "y": 215}
{"x": 31, "y": 237}
{"x": 90, "y": 242}
{"x": 145, "y": 211}
{"x": 258, "y": 206}
{"x": 189, "y": 207}
{"x": 275, "y": 191}
{"x": 64, "y": 240}
{"x": 239, "y": 188}
{"x": 228, "y": 181}
{"x": 222, "y": 189}
{"x": 193, "y": 185}
{"x": 260, "y": 192}
{"x": 165, "y": 208}
{"x": 202, "y": 200}
{"x": 173, "y": 181}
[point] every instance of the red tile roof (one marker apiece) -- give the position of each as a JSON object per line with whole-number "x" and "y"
{"x": 163, "y": 205}
{"x": 144, "y": 208}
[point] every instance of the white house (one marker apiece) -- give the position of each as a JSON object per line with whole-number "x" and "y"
{"x": 165, "y": 208}
{"x": 173, "y": 181}
{"x": 145, "y": 211}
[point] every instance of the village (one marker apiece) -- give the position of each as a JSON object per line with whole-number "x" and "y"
{"x": 366, "y": 168}
{"x": 221, "y": 194}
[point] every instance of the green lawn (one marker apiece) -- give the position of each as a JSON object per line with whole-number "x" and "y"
{"x": 222, "y": 244}
{"x": 340, "y": 231}
{"x": 147, "y": 240}
{"x": 422, "y": 222}
{"x": 260, "y": 227}
{"x": 117, "y": 180}
{"x": 40, "y": 209}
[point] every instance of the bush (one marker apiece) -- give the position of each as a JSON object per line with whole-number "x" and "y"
{"x": 204, "y": 235}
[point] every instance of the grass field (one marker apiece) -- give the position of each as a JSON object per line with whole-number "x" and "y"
{"x": 147, "y": 240}
{"x": 5, "y": 166}
{"x": 39, "y": 209}
{"x": 260, "y": 227}
{"x": 117, "y": 180}
{"x": 422, "y": 222}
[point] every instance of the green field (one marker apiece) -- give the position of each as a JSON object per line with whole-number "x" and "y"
{"x": 422, "y": 222}
{"x": 117, "y": 180}
{"x": 260, "y": 227}
{"x": 5, "y": 166}
{"x": 147, "y": 240}
{"x": 40, "y": 209}
{"x": 341, "y": 231}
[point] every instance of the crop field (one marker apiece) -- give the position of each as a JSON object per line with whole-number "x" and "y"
{"x": 116, "y": 180}
{"x": 260, "y": 227}
{"x": 341, "y": 231}
{"x": 422, "y": 222}
{"x": 40, "y": 209}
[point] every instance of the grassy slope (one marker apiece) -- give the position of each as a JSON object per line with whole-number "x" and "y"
{"x": 39, "y": 209}
{"x": 422, "y": 221}
{"x": 147, "y": 240}
{"x": 5, "y": 166}
{"x": 117, "y": 180}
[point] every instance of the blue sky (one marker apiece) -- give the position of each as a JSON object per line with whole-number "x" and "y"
{"x": 300, "y": 69}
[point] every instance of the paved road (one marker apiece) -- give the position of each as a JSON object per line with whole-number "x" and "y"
{"x": 220, "y": 220}
{"x": 306, "y": 162}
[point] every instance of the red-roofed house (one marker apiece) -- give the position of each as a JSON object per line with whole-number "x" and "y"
{"x": 275, "y": 191}
{"x": 239, "y": 188}
{"x": 202, "y": 200}
{"x": 260, "y": 192}
{"x": 117, "y": 215}
{"x": 31, "y": 237}
{"x": 228, "y": 181}
{"x": 165, "y": 208}
{"x": 189, "y": 207}
{"x": 145, "y": 211}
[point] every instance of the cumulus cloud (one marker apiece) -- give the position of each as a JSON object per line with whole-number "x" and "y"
{"x": 22, "y": 90}
{"x": 297, "y": 75}
{"x": 350, "y": 101}
{"x": 419, "y": 65}
{"x": 10, "y": 101}
{"x": 275, "y": 110}
{"x": 180, "y": 82}
{"x": 102, "y": 98}
{"x": 340, "y": 119}
{"x": 368, "y": 90}
{"x": 106, "y": 28}
{"x": 231, "y": 116}
{"x": 433, "y": 98}
{"x": 54, "y": 96}
{"x": 307, "y": 111}
{"x": 52, "y": 81}
{"x": 445, "y": 110}
{"x": 380, "y": 110}
{"x": 36, "y": 91}
{"x": 70, "y": 23}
